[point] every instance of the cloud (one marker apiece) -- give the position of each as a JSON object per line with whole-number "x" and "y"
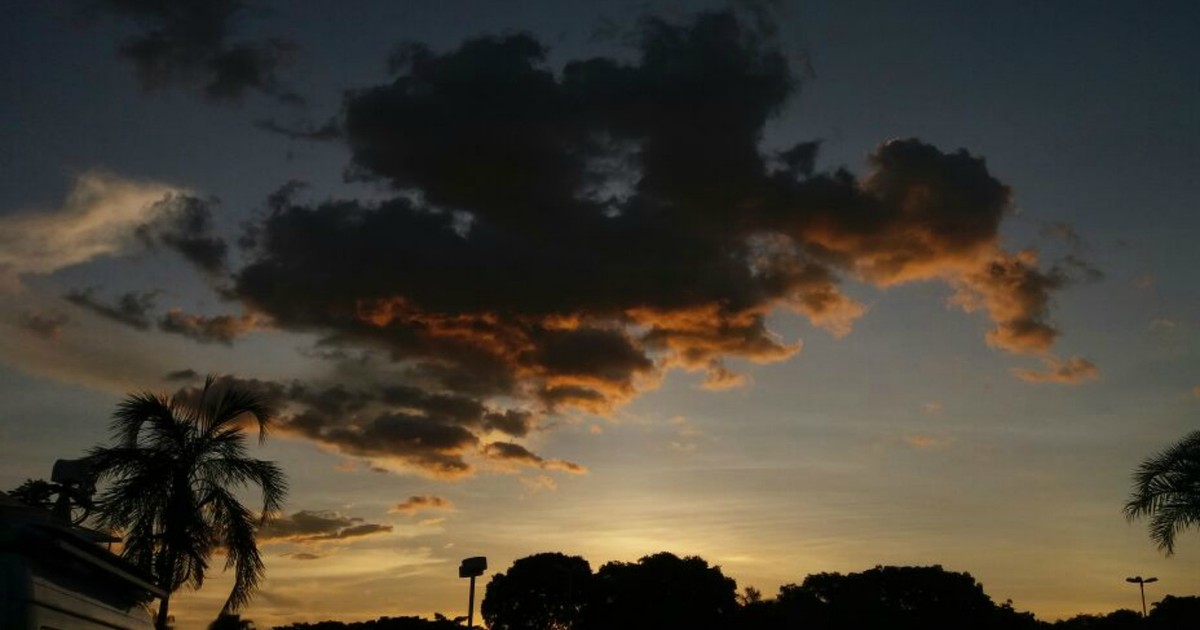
{"x": 302, "y": 131}
{"x": 558, "y": 239}
{"x": 1072, "y": 371}
{"x": 929, "y": 442}
{"x": 717, "y": 377}
{"x": 1196, "y": 391}
{"x": 130, "y": 309}
{"x": 508, "y": 453}
{"x": 187, "y": 43}
{"x": 98, "y": 218}
{"x": 44, "y": 325}
{"x": 421, "y": 503}
{"x": 184, "y": 223}
{"x": 563, "y": 238}
{"x": 540, "y": 483}
{"x": 186, "y": 374}
{"x": 302, "y": 555}
{"x": 397, "y": 427}
{"x": 308, "y": 526}
{"x": 222, "y": 329}
{"x": 933, "y": 407}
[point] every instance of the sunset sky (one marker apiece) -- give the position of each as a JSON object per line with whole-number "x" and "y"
{"x": 794, "y": 286}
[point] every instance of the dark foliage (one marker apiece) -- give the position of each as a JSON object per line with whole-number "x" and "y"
{"x": 546, "y": 590}
{"x": 383, "y": 623}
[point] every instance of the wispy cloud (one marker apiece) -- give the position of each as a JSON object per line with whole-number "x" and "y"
{"x": 45, "y": 325}
{"x": 313, "y": 527}
{"x": 1072, "y": 371}
{"x": 98, "y": 218}
{"x": 929, "y": 442}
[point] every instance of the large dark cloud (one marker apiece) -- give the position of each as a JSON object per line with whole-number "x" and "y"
{"x": 189, "y": 43}
{"x": 560, "y": 237}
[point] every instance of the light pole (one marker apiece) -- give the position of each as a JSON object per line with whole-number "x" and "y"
{"x": 472, "y": 568}
{"x": 1142, "y": 585}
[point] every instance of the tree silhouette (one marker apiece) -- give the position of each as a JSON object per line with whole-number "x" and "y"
{"x": 896, "y": 598}
{"x": 1166, "y": 488}
{"x": 545, "y": 591}
{"x": 174, "y": 468}
{"x": 663, "y": 591}
{"x": 1175, "y": 613}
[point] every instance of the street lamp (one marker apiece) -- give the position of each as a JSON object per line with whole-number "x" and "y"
{"x": 472, "y": 568}
{"x": 1142, "y": 585}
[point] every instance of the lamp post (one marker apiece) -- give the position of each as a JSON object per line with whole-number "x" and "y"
{"x": 472, "y": 568}
{"x": 1142, "y": 585}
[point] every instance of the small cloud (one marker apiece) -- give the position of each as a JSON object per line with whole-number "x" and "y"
{"x": 190, "y": 44}
{"x": 431, "y": 522}
{"x": 1162, "y": 325}
{"x": 1064, "y": 232}
{"x": 130, "y": 309}
{"x": 44, "y": 325}
{"x": 929, "y": 442}
{"x": 421, "y": 503}
{"x": 221, "y": 329}
{"x": 302, "y": 555}
{"x": 1196, "y": 391}
{"x": 515, "y": 454}
{"x": 308, "y": 526}
{"x": 184, "y": 223}
{"x": 540, "y": 483}
{"x": 182, "y": 375}
{"x": 717, "y": 377}
{"x": 346, "y": 465}
{"x": 302, "y": 131}
{"x": 595, "y": 429}
{"x": 1144, "y": 282}
{"x": 1072, "y": 371}
{"x": 688, "y": 436}
{"x": 933, "y": 407}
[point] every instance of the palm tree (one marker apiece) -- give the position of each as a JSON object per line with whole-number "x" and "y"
{"x": 174, "y": 468}
{"x": 1166, "y": 488}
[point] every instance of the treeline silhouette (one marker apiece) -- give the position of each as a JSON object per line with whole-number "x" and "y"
{"x": 554, "y": 591}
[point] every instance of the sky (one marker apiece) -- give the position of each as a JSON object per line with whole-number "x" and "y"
{"x": 793, "y": 286}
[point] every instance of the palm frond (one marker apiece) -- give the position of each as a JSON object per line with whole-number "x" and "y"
{"x": 236, "y": 533}
{"x": 1166, "y": 488}
{"x": 222, "y": 408}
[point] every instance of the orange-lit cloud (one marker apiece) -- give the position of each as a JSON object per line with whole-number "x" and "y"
{"x": 502, "y": 287}
{"x": 421, "y": 503}
{"x": 1072, "y": 371}
{"x": 929, "y": 442}
{"x": 718, "y": 377}
{"x": 540, "y": 483}
{"x": 510, "y": 454}
{"x": 215, "y": 329}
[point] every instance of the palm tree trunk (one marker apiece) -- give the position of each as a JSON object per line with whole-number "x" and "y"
{"x": 161, "y": 624}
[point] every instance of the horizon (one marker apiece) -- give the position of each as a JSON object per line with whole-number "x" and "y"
{"x": 794, "y": 287}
